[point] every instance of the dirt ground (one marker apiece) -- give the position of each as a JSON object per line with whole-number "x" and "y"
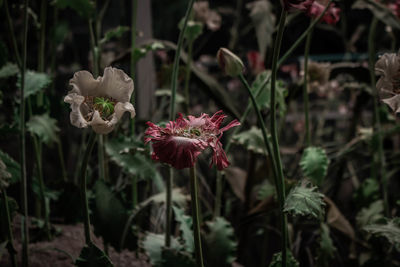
{"x": 65, "y": 248}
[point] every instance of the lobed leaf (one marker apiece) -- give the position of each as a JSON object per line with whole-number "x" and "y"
{"x": 185, "y": 226}
{"x": 219, "y": 244}
{"x": 34, "y": 82}
{"x": 92, "y": 256}
{"x": 44, "y": 127}
{"x": 277, "y": 260}
{"x": 252, "y": 140}
{"x": 390, "y": 231}
{"x": 304, "y": 200}
{"x": 153, "y": 245}
{"x": 370, "y": 215}
{"x": 314, "y": 164}
{"x": 13, "y": 167}
{"x": 8, "y": 70}
{"x": 117, "y": 33}
{"x": 326, "y": 247}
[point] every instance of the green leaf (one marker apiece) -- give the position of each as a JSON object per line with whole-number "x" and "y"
{"x": 263, "y": 98}
{"x": 367, "y": 192}
{"x": 263, "y": 18}
{"x": 252, "y": 140}
{"x": 175, "y": 258}
{"x": 8, "y": 70}
{"x": 153, "y": 245}
{"x": 84, "y": 8}
{"x": 370, "y": 215}
{"x": 34, "y": 82}
{"x": 219, "y": 244}
{"x": 92, "y": 256}
{"x": 390, "y": 231}
{"x": 4, "y": 175}
{"x": 277, "y": 260}
{"x": 116, "y": 33}
{"x": 305, "y": 200}
{"x": 110, "y": 216}
{"x": 185, "y": 226}
{"x": 266, "y": 190}
{"x": 167, "y": 92}
{"x": 140, "y": 52}
{"x": 125, "y": 152}
{"x": 326, "y": 247}
{"x": 44, "y": 127}
{"x": 13, "y": 167}
{"x": 380, "y": 11}
{"x": 314, "y": 164}
{"x": 193, "y": 29}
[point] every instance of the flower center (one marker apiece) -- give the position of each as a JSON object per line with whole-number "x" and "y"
{"x": 104, "y": 105}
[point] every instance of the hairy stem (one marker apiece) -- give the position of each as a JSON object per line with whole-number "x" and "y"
{"x": 7, "y": 220}
{"x": 174, "y": 85}
{"x": 133, "y": 63}
{"x": 380, "y": 165}
{"x": 83, "y": 176}
{"x": 305, "y": 89}
{"x": 274, "y": 135}
{"x": 24, "y": 186}
{"x": 195, "y": 214}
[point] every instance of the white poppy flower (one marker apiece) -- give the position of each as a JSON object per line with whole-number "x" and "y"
{"x": 113, "y": 89}
{"x": 388, "y": 67}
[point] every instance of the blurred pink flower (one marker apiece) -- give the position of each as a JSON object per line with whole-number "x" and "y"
{"x": 388, "y": 67}
{"x": 314, "y": 8}
{"x": 182, "y": 140}
{"x": 331, "y": 16}
{"x": 256, "y": 62}
{"x": 297, "y": 5}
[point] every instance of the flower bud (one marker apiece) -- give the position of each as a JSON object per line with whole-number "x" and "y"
{"x": 231, "y": 64}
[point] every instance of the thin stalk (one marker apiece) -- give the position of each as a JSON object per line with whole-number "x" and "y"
{"x": 42, "y": 43}
{"x": 274, "y": 134}
{"x": 174, "y": 84}
{"x": 266, "y": 81}
{"x": 12, "y": 33}
{"x": 305, "y": 89}
{"x": 10, "y": 245}
{"x": 187, "y": 75}
{"x": 83, "y": 175}
{"x": 195, "y": 214}
{"x": 168, "y": 202}
{"x": 100, "y": 148}
{"x": 218, "y": 193}
{"x": 62, "y": 161}
{"x": 377, "y": 129}
{"x": 94, "y": 50}
{"x": 24, "y": 186}
{"x": 134, "y": 191}
{"x": 133, "y": 63}
{"x": 263, "y": 131}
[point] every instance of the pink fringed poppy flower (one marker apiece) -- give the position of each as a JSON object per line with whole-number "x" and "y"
{"x": 331, "y": 16}
{"x": 314, "y": 8}
{"x": 182, "y": 141}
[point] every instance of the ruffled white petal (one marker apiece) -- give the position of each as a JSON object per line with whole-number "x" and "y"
{"x": 76, "y": 116}
{"x": 116, "y": 84}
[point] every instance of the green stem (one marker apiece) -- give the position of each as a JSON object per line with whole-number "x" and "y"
{"x": 12, "y": 33}
{"x": 94, "y": 50}
{"x": 134, "y": 192}
{"x": 195, "y": 214}
{"x": 274, "y": 134}
{"x": 175, "y": 69}
{"x": 24, "y": 186}
{"x": 174, "y": 84}
{"x": 187, "y": 76}
{"x": 266, "y": 81}
{"x": 100, "y": 148}
{"x": 218, "y": 194}
{"x": 133, "y": 63}
{"x": 377, "y": 129}
{"x": 10, "y": 245}
{"x": 62, "y": 161}
{"x": 305, "y": 89}
{"x": 168, "y": 202}
{"x": 42, "y": 40}
{"x": 83, "y": 175}
{"x": 263, "y": 130}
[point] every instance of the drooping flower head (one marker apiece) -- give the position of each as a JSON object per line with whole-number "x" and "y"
{"x": 314, "y": 8}
{"x": 182, "y": 141}
{"x": 388, "y": 67}
{"x": 100, "y": 103}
